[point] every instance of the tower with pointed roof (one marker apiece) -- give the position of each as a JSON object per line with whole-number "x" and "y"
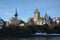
{"x": 16, "y": 14}
{"x": 46, "y": 18}
{"x": 45, "y": 15}
{"x": 36, "y": 15}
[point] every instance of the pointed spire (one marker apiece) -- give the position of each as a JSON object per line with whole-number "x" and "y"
{"x": 16, "y": 14}
{"x": 45, "y": 15}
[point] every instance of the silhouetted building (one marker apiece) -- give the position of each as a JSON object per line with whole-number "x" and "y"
{"x": 1, "y": 23}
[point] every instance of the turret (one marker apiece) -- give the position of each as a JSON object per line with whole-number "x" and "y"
{"x": 36, "y": 15}
{"x": 16, "y": 14}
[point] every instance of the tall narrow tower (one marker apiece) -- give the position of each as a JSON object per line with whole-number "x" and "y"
{"x": 16, "y": 14}
{"x": 36, "y": 16}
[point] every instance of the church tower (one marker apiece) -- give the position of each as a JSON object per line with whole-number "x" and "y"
{"x": 16, "y": 14}
{"x": 36, "y": 16}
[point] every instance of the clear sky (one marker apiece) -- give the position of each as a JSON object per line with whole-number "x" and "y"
{"x": 26, "y": 8}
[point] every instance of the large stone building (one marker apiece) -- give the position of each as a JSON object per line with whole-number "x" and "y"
{"x": 41, "y": 20}
{"x": 14, "y": 21}
{"x": 37, "y": 19}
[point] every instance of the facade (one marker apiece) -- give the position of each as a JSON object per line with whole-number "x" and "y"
{"x": 40, "y": 20}
{"x": 22, "y": 23}
{"x": 36, "y": 16}
{"x": 13, "y": 20}
{"x": 30, "y": 21}
{"x": 57, "y": 20}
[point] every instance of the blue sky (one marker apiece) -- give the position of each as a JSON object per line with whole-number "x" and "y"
{"x": 26, "y": 8}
